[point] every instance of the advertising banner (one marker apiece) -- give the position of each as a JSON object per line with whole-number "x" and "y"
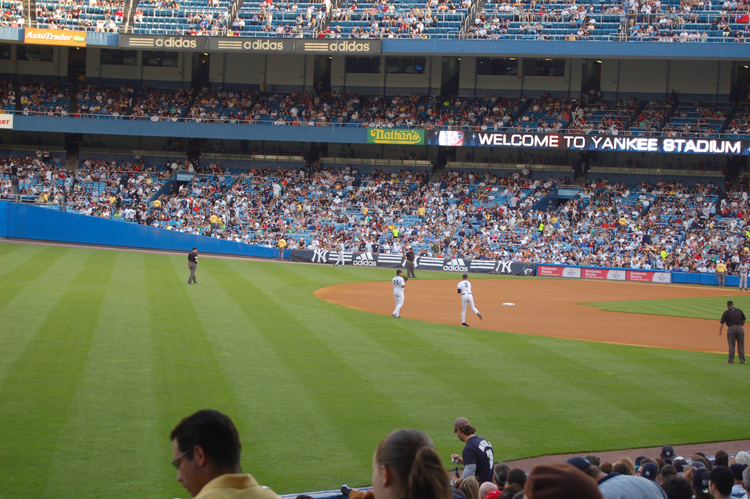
{"x": 648, "y": 276}
{"x": 545, "y": 270}
{"x": 170, "y": 43}
{"x": 462, "y": 265}
{"x": 234, "y": 44}
{"x": 573, "y": 142}
{"x": 338, "y": 46}
{"x": 587, "y": 273}
{"x": 6, "y": 121}
{"x": 395, "y": 136}
{"x": 54, "y": 37}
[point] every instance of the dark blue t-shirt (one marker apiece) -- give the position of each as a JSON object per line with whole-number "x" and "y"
{"x": 479, "y": 451}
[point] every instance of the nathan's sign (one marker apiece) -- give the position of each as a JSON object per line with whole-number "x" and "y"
{"x": 54, "y": 37}
{"x": 606, "y": 143}
{"x": 395, "y": 136}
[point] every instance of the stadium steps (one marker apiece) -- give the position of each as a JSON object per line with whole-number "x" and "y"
{"x": 127, "y": 18}
{"x": 437, "y": 172}
{"x": 31, "y": 13}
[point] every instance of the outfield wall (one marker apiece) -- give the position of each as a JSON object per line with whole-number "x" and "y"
{"x": 20, "y": 221}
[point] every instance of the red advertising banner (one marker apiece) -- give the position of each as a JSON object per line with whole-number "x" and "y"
{"x": 648, "y": 276}
{"x": 594, "y": 273}
{"x": 605, "y": 274}
{"x": 558, "y": 271}
{"x": 549, "y": 271}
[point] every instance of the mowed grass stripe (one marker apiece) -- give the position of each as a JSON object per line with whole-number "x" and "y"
{"x": 19, "y": 276}
{"x": 23, "y": 315}
{"x": 328, "y": 378}
{"x": 709, "y": 308}
{"x": 419, "y": 370}
{"x": 186, "y": 375}
{"x": 111, "y": 430}
{"x": 36, "y": 396}
{"x": 7, "y": 249}
{"x": 268, "y": 394}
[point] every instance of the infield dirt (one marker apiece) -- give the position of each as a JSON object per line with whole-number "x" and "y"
{"x": 546, "y": 307}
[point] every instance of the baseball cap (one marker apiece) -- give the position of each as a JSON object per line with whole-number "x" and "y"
{"x": 697, "y": 464}
{"x": 723, "y": 478}
{"x": 667, "y": 452}
{"x": 460, "y": 423}
{"x": 742, "y": 457}
{"x": 737, "y": 470}
{"x": 465, "y": 276}
{"x": 495, "y": 494}
{"x": 650, "y": 470}
{"x": 679, "y": 464}
{"x": 579, "y": 462}
{"x": 639, "y": 459}
{"x": 700, "y": 480}
{"x": 399, "y": 271}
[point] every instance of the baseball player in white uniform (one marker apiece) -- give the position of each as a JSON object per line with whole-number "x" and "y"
{"x": 398, "y": 293}
{"x": 340, "y": 258}
{"x": 464, "y": 289}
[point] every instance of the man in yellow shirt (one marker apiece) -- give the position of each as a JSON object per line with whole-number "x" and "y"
{"x": 721, "y": 271}
{"x": 206, "y": 447}
{"x": 282, "y": 246}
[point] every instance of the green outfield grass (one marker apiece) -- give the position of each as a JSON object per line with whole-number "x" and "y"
{"x": 103, "y": 352}
{"x": 693, "y": 308}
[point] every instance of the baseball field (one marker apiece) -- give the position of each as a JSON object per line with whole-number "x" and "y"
{"x": 102, "y": 352}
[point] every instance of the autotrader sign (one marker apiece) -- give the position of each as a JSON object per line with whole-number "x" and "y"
{"x": 196, "y": 43}
{"x": 54, "y": 37}
{"x": 6, "y": 121}
{"x": 395, "y": 136}
{"x": 588, "y": 142}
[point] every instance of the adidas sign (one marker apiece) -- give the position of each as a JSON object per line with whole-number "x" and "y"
{"x": 365, "y": 260}
{"x": 456, "y": 265}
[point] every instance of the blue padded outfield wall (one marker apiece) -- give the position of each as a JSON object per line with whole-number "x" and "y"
{"x": 32, "y": 222}
{"x": 20, "y": 221}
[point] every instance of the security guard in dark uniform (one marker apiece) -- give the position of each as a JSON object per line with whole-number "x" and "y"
{"x": 734, "y": 318}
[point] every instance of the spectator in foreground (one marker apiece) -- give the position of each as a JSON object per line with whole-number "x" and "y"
{"x": 619, "y": 486}
{"x": 406, "y": 465}
{"x": 470, "y": 488}
{"x": 207, "y": 449}
{"x": 738, "y": 490}
{"x": 477, "y": 456}
{"x": 560, "y": 481}
{"x": 720, "y": 482}
{"x": 500, "y": 474}
{"x": 677, "y": 488}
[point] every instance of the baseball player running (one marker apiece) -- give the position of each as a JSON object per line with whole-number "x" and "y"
{"x": 464, "y": 289}
{"x": 398, "y": 293}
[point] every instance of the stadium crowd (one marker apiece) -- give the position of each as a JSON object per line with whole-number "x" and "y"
{"x": 484, "y": 215}
{"x": 589, "y": 114}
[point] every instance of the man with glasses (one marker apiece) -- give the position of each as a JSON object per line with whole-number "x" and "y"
{"x": 206, "y": 447}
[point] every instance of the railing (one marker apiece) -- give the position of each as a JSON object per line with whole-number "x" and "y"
{"x": 467, "y": 128}
{"x": 489, "y": 165}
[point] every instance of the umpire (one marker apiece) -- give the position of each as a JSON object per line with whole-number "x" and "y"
{"x": 410, "y": 262}
{"x": 734, "y": 319}
{"x": 193, "y": 264}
